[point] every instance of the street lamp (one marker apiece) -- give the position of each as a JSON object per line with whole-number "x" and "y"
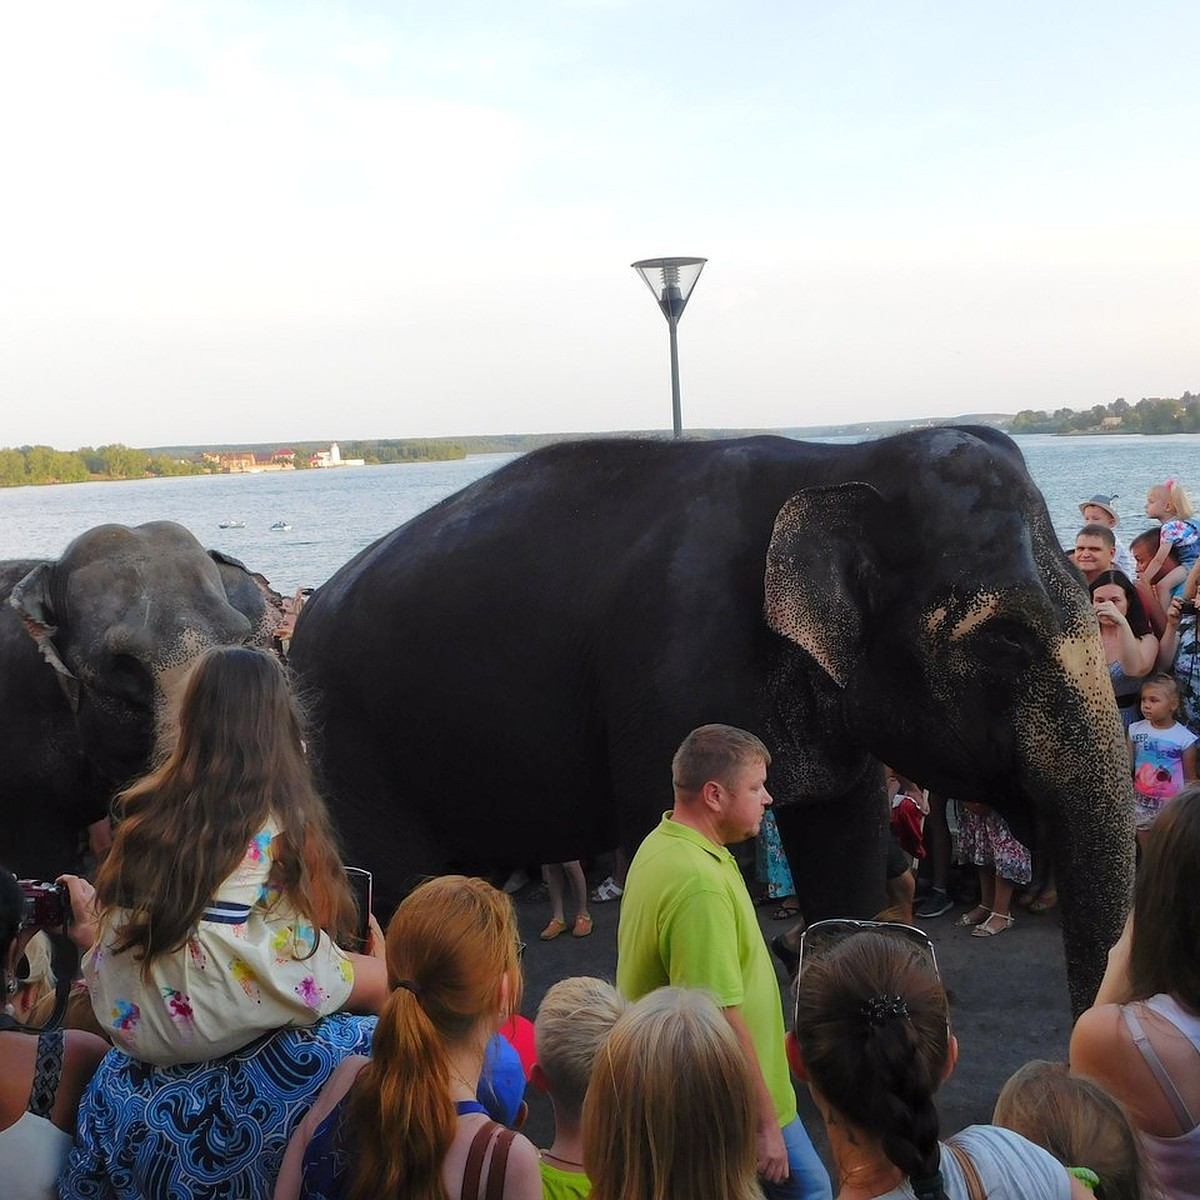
{"x": 670, "y": 281}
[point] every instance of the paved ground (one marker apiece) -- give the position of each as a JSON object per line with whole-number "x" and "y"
{"x": 1008, "y": 999}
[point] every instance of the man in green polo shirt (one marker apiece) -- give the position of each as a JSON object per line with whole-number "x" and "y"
{"x": 688, "y": 921}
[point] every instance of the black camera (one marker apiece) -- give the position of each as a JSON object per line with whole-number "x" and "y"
{"x": 47, "y": 905}
{"x": 1187, "y": 608}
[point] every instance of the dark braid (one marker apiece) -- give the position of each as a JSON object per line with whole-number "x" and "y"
{"x": 909, "y": 1121}
{"x": 873, "y": 1036}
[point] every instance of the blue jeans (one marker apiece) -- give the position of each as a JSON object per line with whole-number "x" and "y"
{"x": 808, "y": 1179}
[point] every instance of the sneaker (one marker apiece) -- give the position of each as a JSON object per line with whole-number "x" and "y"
{"x": 610, "y": 889}
{"x": 935, "y": 904}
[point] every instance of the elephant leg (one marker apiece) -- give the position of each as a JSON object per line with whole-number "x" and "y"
{"x": 838, "y": 853}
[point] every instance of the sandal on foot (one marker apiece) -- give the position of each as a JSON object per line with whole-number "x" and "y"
{"x": 583, "y": 925}
{"x": 553, "y": 930}
{"x": 610, "y": 889}
{"x": 1044, "y": 903}
{"x": 987, "y": 929}
{"x": 787, "y": 911}
{"x": 974, "y": 916}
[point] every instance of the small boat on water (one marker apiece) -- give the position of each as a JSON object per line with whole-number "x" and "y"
{"x": 281, "y": 527}
{"x": 232, "y": 523}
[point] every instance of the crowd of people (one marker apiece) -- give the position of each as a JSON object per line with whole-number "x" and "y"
{"x": 256, "y": 1053}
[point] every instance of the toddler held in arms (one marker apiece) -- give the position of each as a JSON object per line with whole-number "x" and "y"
{"x": 216, "y": 904}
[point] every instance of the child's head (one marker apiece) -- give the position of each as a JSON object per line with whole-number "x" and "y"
{"x": 573, "y": 1021}
{"x": 1077, "y": 1121}
{"x": 1160, "y": 699}
{"x": 1099, "y": 510}
{"x": 671, "y": 1105}
{"x": 1165, "y": 501}
{"x": 453, "y": 962}
{"x": 238, "y": 760}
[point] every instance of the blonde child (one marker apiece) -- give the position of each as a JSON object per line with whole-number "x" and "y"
{"x": 1162, "y": 752}
{"x": 1168, "y": 504}
{"x": 573, "y": 1023}
{"x": 223, "y": 878}
{"x": 1081, "y": 1124}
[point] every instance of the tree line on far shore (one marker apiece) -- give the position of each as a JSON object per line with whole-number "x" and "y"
{"x": 1146, "y": 416}
{"x": 24, "y": 465}
{"x": 43, "y": 464}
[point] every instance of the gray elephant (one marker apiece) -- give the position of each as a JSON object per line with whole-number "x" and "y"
{"x": 93, "y": 648}
{"x": 506, "y": 676}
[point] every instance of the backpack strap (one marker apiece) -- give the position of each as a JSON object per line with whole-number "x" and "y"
{"x": 47, "y": 1072}
{"x": 488, "y": 1134}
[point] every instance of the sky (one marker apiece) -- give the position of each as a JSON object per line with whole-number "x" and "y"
{"x": 284, "y": 221}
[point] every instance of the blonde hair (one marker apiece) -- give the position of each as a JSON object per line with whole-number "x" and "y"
{"x": 1080, "y": 1123}
{"x": 573, "y": 1021}
{"x": 670, "y": 1110}
{"x": 1176, "y": 497}
{"x": 450, "y": 946}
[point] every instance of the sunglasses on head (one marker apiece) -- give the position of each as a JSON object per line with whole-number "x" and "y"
{"x": 821, "y": 936}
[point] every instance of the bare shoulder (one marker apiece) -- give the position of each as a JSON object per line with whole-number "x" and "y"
{"x": 523, "y": 1176}
{"x": 1099, "y": 1041}
{"x": 82, "y": 1054}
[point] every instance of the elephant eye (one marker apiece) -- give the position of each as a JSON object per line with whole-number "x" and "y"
{"x": 1007, "y": 645}
{"x": 129, "y": 679}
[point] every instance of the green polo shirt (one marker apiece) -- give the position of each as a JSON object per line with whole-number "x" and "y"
{"x": 688, "y": 921}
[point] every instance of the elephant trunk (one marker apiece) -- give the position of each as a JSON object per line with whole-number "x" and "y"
{"x": 1077, "y": 774}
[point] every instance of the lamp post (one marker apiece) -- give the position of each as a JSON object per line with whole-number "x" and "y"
{"x": 670, "y": 281}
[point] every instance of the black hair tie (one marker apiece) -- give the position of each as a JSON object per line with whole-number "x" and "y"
{"x": 879, "y": 1010}
{"x": 409, "y": 986}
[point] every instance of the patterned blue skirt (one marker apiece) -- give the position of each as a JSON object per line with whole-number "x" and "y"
{"x": 216, "y": 1130}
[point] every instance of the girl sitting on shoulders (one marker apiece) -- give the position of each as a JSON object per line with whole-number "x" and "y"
{"x": 217, "y": 901}
{"x": 1168, "y": 504}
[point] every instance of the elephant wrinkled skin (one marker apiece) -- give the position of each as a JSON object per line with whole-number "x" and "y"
{"x": 93, "y": 648}
{"x": 505, "y": 677}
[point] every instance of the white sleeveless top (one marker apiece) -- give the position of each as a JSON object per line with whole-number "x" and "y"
{"x": 1176, "y": 1159}
{"x": 32, "y": 1153}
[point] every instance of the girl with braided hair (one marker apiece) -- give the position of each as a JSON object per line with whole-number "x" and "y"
{"x": 872, "y": 1040}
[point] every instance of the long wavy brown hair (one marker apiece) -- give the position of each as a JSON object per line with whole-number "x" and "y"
{"x": 453, "y": 941}
{"x": 1166, "y": 917}
{"x": 183, "y": 828}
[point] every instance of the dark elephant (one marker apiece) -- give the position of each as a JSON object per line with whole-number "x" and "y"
{"x": 93, "y": 647}
{"x": 507, "y": 675}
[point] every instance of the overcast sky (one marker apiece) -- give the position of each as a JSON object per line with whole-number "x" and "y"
{"x": 261, "y": 221}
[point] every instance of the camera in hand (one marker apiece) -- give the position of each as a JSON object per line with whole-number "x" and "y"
{"x": 1187, "y": 608}
{"x": 47, "y": 905}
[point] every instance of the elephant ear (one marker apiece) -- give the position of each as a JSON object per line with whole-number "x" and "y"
{"x": 819, "y": 565}
{"x": 31, "y": 599}
{"x": 250, "y": 593}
